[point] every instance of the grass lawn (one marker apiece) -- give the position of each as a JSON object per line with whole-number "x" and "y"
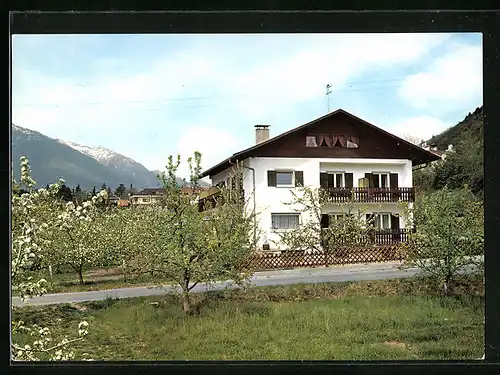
{"x": 370, "y": 320}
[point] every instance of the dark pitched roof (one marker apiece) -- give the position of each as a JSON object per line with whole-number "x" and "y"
{"x": 241, "y": 155}
{"x": 159, "y": 191}
{"x": 151, "y": 191}
{"x": 189, "y": 190}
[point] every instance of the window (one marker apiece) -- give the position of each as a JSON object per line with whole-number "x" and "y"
{"x": 284, "y": 178}
{"x": 336, "y": 216}
{"x": 285, "y": 221}
{"x": 335, "y": 179}
{"x": 311, "y": 141}
{"x": 383, "y": 221}
{"x": 145, "y": 199}
{"x": 381, "y": 180}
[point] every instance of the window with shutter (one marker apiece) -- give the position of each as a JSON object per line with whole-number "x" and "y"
{"x": 383, "y": 221}
{"x": 335, "y": 179}
{"x": 284, "y": 178}
{"x": 380, "y": 180}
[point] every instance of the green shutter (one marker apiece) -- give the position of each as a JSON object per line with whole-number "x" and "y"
{"x": 271, "y": 178}
{"x": 299, "y": 178}
{"x": 349, "y": 180}
{"x": 394, "y": 222}
{"x": 369, "y": 176}
{"x": 323, "y": 180}
{"x": 393, "y": 180}
{"x": 325, "y": 220}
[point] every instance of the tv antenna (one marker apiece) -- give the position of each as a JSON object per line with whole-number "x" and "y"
{"x": 328, "y": 92}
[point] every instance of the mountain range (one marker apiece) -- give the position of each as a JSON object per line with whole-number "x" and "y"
{"x": 51, "y": 159}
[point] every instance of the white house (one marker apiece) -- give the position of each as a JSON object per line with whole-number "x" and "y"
{"x": 338, "y": 152}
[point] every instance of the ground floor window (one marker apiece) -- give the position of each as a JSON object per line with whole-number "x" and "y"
{"x": 285, "y": 221}
{"x": 383, "y": 221}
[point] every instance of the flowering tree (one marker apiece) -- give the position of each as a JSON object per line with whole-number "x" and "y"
{"x": 188, "y": 246}
{"x": 78, "y": 238}
{"x": 449, "y": 234}
{"x": 32, "y": 212}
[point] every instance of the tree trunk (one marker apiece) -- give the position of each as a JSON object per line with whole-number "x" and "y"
{"x": 186, "y": 306}
{"x": 446, "y": 285}
{"x": 124, "y": 268}
{"x": 50, "y": 273}
{"x": 80, "y": 276}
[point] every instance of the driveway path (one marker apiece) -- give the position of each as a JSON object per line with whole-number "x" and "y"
{"x": 378, "y": 271}
{"x": 372, "y": 271}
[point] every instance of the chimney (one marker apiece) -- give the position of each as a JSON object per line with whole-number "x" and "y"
{"x": 261, "y": 133}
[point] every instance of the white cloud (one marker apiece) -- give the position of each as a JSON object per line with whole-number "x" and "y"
{"x": 260, "y": 80}
{"x": 454, "y": 79}
{"x": 213, "y": 143}
{"x": 422, "y": 127}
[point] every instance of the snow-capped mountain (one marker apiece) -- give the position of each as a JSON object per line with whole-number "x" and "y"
{"x": 101, "y": 154}
{"x": 87, "y": 166}
{"x": 18, "y": 132}
{"x": 52, "y": 159}
{"x": 118, "y": 162}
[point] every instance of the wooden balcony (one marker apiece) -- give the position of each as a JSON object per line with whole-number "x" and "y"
{"x": 371, "y": 195}
{"x": 390, "y": 236}
{"x": 384, "y": 237}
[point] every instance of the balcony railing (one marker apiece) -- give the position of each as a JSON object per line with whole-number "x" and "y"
{"x": 390, "y": 236}
{"x": 371, "y": 195}
{"x": 383, "y": 237}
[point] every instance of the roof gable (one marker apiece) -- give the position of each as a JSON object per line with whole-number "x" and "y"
{"x": 337, "y": 127}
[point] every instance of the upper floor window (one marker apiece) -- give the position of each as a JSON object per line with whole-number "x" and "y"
{"x": 381, "y": 180}
{"x": 336, "y": 179}
{"x": 285, "y": 178}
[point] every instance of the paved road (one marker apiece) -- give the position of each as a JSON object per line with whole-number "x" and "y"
{"x": 379, "y": 271}
{"x": 297, "y": 276}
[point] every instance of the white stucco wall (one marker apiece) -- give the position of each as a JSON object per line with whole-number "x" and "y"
{"x": 271, "y": 199}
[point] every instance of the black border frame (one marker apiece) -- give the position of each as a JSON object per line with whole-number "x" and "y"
{"x": 272, "y": 21}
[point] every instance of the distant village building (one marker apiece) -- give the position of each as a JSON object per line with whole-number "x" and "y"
{"x": 123, "y": 203}
{"x": 149, "y": 196}
{"x": 433, "y": 148}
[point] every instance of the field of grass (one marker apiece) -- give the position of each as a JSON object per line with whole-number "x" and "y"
{"x": 399, "y": 319}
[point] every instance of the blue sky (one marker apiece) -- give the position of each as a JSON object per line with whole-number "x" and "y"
{"x": 149, "y": 96}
